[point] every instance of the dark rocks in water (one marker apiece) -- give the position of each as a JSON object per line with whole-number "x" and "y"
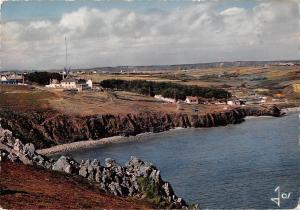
{"x": 137, "y": 178}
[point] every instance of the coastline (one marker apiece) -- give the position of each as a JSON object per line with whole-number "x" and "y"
{"x": 83, "y": 145}
{"x": 62, "y": 148}
{"x": 289, "y": 110}
{"x": 92, "y": 175}
{"x": 103, "y": 141}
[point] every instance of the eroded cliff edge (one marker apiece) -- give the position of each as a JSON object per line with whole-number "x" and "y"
{"x": 138, "y": 179}
{"x": 46, "y": 128}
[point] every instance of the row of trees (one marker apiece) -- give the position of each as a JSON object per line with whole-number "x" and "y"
{"x": 42, "y": 78}
{"x": 166, "y": 89}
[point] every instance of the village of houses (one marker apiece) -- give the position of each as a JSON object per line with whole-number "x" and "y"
{"x": 75, "y": 84}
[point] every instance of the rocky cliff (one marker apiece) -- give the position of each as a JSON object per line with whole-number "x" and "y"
{"x": 136, "y": 179}
{"x": 48, "y": 128}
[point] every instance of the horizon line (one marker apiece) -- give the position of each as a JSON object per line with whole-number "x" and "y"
{"x": 157, "y": 65}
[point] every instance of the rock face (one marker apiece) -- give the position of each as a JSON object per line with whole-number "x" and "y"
{"x": 16, "y": 151}
{"x": 65, "y": 164}
{"x": 137, "y": 178}
{"x": 49, "y": 128}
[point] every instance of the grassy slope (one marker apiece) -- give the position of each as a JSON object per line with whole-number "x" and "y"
{"x": 27, "y": 187}
{"x": 24, "y": 97}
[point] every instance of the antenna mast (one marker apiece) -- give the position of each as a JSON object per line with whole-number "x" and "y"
{"x": 66, "y": 51}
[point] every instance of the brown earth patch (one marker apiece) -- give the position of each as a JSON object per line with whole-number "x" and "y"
{"x": 27, "y": 187}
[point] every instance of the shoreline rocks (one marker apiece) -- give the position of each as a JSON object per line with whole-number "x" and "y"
{"x": 137, "y": 178}
{"x": 50, "y": 128}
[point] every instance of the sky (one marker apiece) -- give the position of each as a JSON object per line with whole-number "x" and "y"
{"x": 119, "y": 33}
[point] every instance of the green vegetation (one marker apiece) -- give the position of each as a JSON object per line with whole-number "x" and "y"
{"x": 166, "y": 89}
{"x": 181, "y": 77}
{"x": 42, "y": 78}
{"x": 150, "y": 190}
{"x": 148, "y": 187}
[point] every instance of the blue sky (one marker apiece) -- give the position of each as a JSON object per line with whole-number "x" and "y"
{"x": 32, "y": 10}
{"x": 147, "y": 32}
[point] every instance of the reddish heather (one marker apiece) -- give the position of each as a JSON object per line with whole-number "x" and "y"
{"x": 26, "y": 187}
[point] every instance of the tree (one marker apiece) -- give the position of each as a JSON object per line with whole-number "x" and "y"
{"x": 166, "y": 89}
{"x": 42, "y": 78}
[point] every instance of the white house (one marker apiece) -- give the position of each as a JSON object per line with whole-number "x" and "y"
{"x": 12, "y": 79}
{"x": 192, "y": 100}
{"x": 53, "y": 84}
{"x": 68, "y": 83}
{"x": 235, "y": 102}
{"x": 90, "y": 83}
{"x": 3, "y": 79}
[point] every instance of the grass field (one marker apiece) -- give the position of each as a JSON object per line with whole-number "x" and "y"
{"x": 282, "y": 80}
{"x": 24, "y": 97}
{"x": 88, "y": 103}
{"x": 149, "y": 77}
{"x": 195, "y": 76}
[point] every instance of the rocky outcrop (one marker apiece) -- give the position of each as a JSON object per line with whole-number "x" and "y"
{"x": 137, "y": 178}
{"x": 49, "y": 128}
{"x": 263, "y": 111}
{"x": 15, "y": 150}
{"x": 66, "y": 164}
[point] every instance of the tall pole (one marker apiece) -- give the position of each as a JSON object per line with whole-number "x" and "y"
{"x": 66, "y": 51}
{"x": 66, "y": 65}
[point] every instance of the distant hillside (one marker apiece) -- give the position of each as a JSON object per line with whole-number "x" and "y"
{"x": 192, "y": 66}
{"x": 225, "y": 64}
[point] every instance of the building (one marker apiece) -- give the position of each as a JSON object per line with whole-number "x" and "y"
{"x": 3, "y": 80}
{"x": 53, "y": 84}
{"x": 90, "y": 83}
{"x": 12, "y": 79}
{"x": 202, "y": 100}
{"x": 82, "y": 84}
{"x": 70, "y": 83}
{"x": 192, "y": 100}
{"x": 236, "y": 102}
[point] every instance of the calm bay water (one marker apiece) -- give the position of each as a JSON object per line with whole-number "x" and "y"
{"x": 237, "y": 166}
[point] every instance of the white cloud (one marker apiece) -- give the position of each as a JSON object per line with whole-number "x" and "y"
{"x": 198, "y": 33}
{"x": 233, "y": 11}
{"x": 39, "y": 24}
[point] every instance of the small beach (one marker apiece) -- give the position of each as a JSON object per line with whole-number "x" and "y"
{"x": 62, "y": 148}
{"x": 88, "y": 144}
